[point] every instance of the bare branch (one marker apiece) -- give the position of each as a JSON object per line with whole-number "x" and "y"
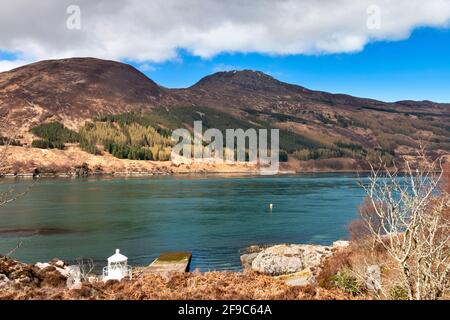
{"x": 412, "y": 224}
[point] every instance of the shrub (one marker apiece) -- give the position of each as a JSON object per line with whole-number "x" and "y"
{"x": 85, "y": 145}
{"x": 315, "y": 154}
{"x": 399, "y": 293}
{"x": 331, "y": 266}
{"x": 41, "y": 144}
{"x": 123, "y": 151}
{"x": 348, "y": 283}
{"x": 57, "y": 145}
{"x": 45, "y": 144}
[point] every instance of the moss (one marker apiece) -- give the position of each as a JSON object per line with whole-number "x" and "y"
{"x": 174, "y": 256}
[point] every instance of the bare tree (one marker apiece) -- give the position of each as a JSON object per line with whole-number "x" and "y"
{"x": 412, "y": 224}
{"x": 86, "y": 267}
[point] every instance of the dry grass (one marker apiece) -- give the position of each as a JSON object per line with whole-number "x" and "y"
{"x": 446, "y": 178}
{"x": 21, "y": 160}
{"x": 197, "y": 286}
{"x": 364, "y": 252}
{"x": 354, "y": 261}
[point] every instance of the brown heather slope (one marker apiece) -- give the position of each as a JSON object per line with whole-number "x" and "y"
{"x": 74, "y": 90}
{"x": 324, "y": 117}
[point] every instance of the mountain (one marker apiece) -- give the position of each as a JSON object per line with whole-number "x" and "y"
{"x": 74, "y": 90}
{"x": 260, "y": 86}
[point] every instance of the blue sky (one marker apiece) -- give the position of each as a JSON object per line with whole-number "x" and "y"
{"x": 381, "y": 49}
{"x": 417, "y": 68}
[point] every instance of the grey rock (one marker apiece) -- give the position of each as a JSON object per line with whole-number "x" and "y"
{"x": 73, "y": 277}
{"x": 276, "y": 265}
{"x": 286, "y": 259}
{"x": 247, "y": 259}
{"x": 341, "y": 244}
{"x": 4, "y": 280}
{"x": 59, "y": 263}
{"x": 373, "y": 280}
{"x": 41, "y": 265}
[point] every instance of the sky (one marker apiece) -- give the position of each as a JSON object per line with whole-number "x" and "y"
{"x": 381, "y": 49}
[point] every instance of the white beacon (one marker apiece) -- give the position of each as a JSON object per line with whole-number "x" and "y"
{"x": 117, "y": 267}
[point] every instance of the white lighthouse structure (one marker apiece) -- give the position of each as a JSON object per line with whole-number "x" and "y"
{"x": 117, "y": 267}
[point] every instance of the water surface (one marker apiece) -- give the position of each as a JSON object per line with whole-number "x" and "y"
{"x": 213, "y": 217}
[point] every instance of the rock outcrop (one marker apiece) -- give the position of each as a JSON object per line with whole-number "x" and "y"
{"x": 296, "y": 264}
{"x": 13, "y": 272}
{"x": 289, "y": 258}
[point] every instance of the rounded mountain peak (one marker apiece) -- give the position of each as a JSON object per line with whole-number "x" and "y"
{"x": 75, "y": 88}
{"x": 249, "y": 80}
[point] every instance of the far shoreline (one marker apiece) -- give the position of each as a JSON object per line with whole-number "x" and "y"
{"x": 175, "y": 174}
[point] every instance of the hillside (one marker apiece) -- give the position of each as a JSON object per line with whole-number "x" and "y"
{"x": 314, "y": 125}
{"x": 73, "y": 90}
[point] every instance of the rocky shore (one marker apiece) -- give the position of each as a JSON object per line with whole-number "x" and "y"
{"x": 21, "y": 275}
{"x": 292, "y": 264}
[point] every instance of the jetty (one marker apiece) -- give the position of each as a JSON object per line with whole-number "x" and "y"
{"x": 171, "y": 262}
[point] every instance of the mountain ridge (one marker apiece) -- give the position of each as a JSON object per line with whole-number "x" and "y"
{"x": 72, "y": 91}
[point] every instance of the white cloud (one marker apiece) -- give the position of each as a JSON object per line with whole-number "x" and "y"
{"x": 6, "y": 65}
{"x": 146, "y": 67}
{"x": 153, "y": 31}
{"x": 225, "y": 67}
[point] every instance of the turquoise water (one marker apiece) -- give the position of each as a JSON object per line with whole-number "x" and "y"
{"x": 213, "y": 217}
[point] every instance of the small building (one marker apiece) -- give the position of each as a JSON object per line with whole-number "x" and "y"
{"x": 117, "y": 267}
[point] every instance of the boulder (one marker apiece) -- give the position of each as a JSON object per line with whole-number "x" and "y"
{"x": 247, "y": 259}
{"x": 275, "y": 265}
{"x": 289, "y": 258}
{"x": 373, "y": 278}
{"x": 54, "y": 265}
{"x": 37, "y": 275}
{"x": 339, "y": 244}
{"x": 249, "y": 254}
{"x": 74, "y": 277}
{"x": 58, "y": 263}
{"x": 52, "y": 277}
{"x": 18, "y": 272}
{"x": 4, "y": 280}
{"x": 42, "y": 266}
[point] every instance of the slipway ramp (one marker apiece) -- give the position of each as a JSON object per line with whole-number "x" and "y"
{"x": 169, "y": 262}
